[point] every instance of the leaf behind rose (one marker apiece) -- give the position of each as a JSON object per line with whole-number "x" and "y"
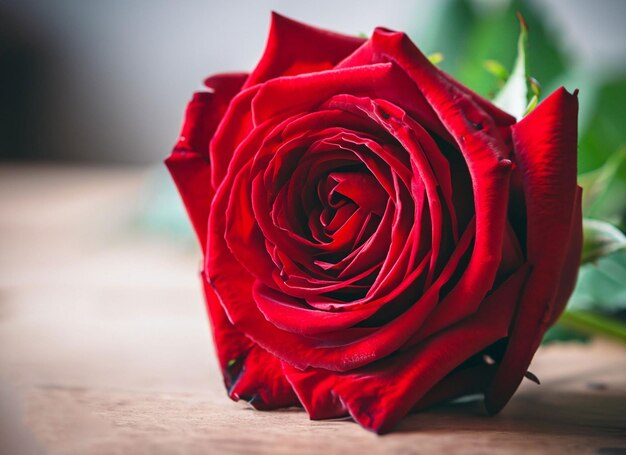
{"x": 604, "y": 190}
{"x": 600, "y": 286}
{"x": 603, "y": 125}
{"x": 600, "y": 239}
{"x": 513, "y": 97}
{"x": 469, "y": 32}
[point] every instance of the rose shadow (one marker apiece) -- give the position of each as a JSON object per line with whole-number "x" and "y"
{"x": 597, "y": 413}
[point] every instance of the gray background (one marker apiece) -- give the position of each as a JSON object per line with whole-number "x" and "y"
{"x": 107, "y": 81}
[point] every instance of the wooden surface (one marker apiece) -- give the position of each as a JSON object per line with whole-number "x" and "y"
{"x": 105, "y": 348}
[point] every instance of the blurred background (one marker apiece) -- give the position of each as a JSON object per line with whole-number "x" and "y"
{"x": 98, "y": 287}
{"x": 107, "y": 82}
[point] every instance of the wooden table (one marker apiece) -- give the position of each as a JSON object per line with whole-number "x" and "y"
{"x": 105, "y": 348}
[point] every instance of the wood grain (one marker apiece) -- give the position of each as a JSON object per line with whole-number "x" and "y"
{"x": 105, "y": 348}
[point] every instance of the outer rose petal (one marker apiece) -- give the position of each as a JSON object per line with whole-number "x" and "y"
{"x": 387, "y": 45}
{"x": 572, "y": 261}
{"x": 545, "y": 151}
{"x": 189, "y": 162}
{"x": 461, "y": 382}
{"x": 379, "y": 395}
{"x": 250, "y": 373}
{"x": 296, "y": 48}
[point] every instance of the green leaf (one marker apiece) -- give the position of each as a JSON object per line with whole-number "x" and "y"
{"x": 436, "y": 58}
{"x": 604, "y": 190}
{"x": 561, "y": 332}
{"x": 600, "y": 239}
{"x": 601, "y": 285}
{"x": 535, "y": 89}
{"x": 594, "y": 324}
{"x": 468, "y": 32}
{"x": 605, "y": 130}
{"x": 513, "y": 97}
{"x": 531, "y": 105}
{"x": 497, "y": 69}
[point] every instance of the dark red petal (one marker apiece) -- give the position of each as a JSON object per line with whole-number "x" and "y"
{"x": 205, "y": 111}
{"x": 363, "y": 189}
{"x": 512, "y": 255}
{"x": 192, "y": 174}
{"x": 545, "y": 151}
{"x": 572, "y": 261}
{"x": 235, "y": 126}
{"x": 262, "y": 383}
{"x": 307, "y": 92}
{"x": 189, "y": 163}
{"x": 250, "y": 373}
{"x": 465, "y": 381}
{"x": 474, "y": 125}
{"x": 387, "y": 45}
{"x": 231, "y": 345}
{"x": 233, "y": 284}
{"x": 304, "y": 92}
{"x": 294, "y": 48}
{"x": 242, "y": 234}
{"x": 294, "y": 315}
{"x": 378, "y": 395}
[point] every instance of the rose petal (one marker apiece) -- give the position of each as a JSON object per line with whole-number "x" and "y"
{"x": 294, "y": 315}
{"x": 571, "y": 264}
{"x": 261, "y": 382}
{"x": 475, "y": 128}
{"x": 233, "y": 286}
{"x": 379, "y": 395}
{"x": 249, "y": 372}
{"x": 385, "y": 45}
{"x": 235, "y": 126}
{"x": 545, "y": 151}
{"x": 294, "y": 48}
{"x": 189, "y": 163}
{"x": 459, "y": 383}
{"x": 303, "y": 92}
{"x": 192, "y": 175}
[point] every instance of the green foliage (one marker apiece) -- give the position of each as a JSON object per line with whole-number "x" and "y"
{"x": 535, "y": 89}
{"x": 605, "y": 132}
{"x": 469, "y": 33}
{"x": 591, "y": 323}
{"x": 600, "y": 239}
{"x": 497, "y": 69}
{"x": 436, "y": 58}
{"x": 601, "y": 285}
{"x": 513, "y": 96}
{"x": 561, "y": 332}
{"x": 604, "y": 190}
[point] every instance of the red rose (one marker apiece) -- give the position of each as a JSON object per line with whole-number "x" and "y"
{"x": 377, "y": 237}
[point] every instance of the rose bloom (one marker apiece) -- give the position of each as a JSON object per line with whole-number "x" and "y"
{"x": 377, "y": 238}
